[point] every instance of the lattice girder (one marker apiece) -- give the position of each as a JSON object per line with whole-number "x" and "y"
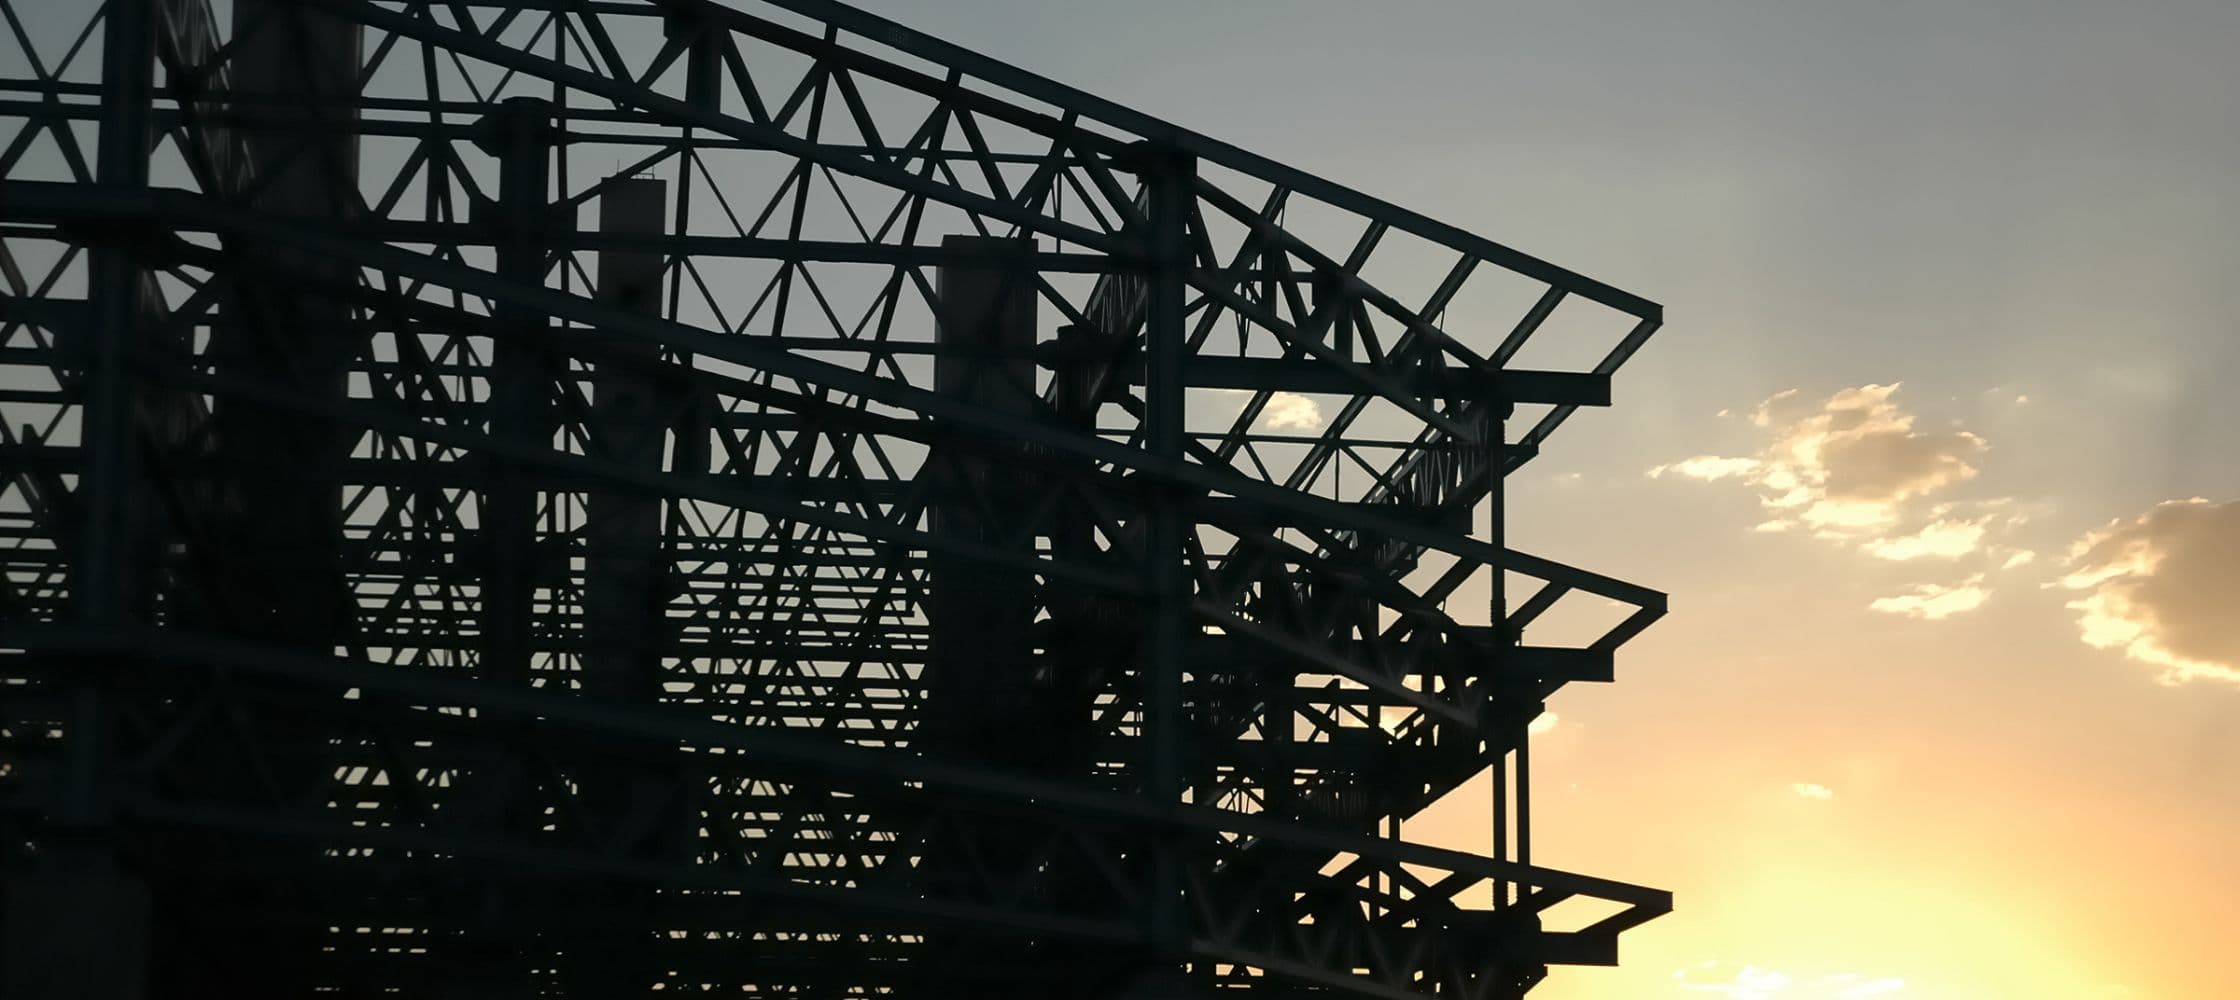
{"x": 442, "y": 547}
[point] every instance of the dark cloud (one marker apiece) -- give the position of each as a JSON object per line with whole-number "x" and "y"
{"x": 1847, "y": 463}
{"x": 2163, "y": 587}
{"x": 1856, "y": 469}
{"x": 1891, "y": 463}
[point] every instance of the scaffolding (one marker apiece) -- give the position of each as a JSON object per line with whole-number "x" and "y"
{"x": 596, "y": 498}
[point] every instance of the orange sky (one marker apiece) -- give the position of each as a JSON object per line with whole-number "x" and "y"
{"x": 1855, "y": 802}
{"x": 1934, "y": 455}
{"x": 1972, "y": 265}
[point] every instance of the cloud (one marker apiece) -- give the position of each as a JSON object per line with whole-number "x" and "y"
{"x": 1748, "y": 982}
{"x": 1286, "y": 411}
{"x": 1859, "y": 449}
{"x": 1856, "y": 468}
{"x": 1291, "y": 411}
{"x": 1935, "y": 602}
{"x": 1709, "y": 468}
{"x": 2162, "y": 587}
{"x": 1938, "y": 540}
{"x": 1849, "y": 461}
{"x": 1751, "y": 982}
{"x": 1809, "y": 790}
{"x": 1544, "y": 724}
{"x": 2022, "y": 557}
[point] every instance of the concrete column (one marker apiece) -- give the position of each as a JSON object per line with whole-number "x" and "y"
{"x": 279, "y": 561}
{"x": 1170, "y": 185}
{"x": 623, "y": 625}
{"x": 73, "y": 922}
{"x": 622, "y": 532}
{"x": 982, "y": 656}
{"x": 519, "y": 134}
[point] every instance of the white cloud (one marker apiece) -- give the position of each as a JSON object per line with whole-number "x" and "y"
{"x": 1810, "y": 790}
{"x": 1935, "y": 602}
{"x": 1751, "y": 982}
{"x": 1854, "y": 465}
{"x": 1285, "y": 411}
{"x": 2162, "y": 587}
{"x": 1849, "y": 461}
{"x": 1291, "y": 411}
{"x": 1938, "y": 540}
{"x": 2023, "y": 557}
{"x": 1859, "y": 449}
{"x": 1709, "y": 468}
{"x": 1857, "y": 469}
{"x": 1748, "y": 982}
{"x": 1543, "y": 725}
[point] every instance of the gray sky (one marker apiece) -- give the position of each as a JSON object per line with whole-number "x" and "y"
{"x": 1980, "y": 202}
{"x": 1946, "y": 776}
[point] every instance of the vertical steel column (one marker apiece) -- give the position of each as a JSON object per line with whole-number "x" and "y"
{"x": 75, "y": 925}
{"x": 519, "y": 134}
{"x": 1524, "y": 794}
{"x": 1520, "y": 735}
{"x": 1171, "y": 182}
{"x": 1506, "y": 731}
{"x": 1494, "y": 440}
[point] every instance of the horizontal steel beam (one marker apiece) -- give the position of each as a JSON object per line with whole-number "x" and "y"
{"x": 145, "y": 205}
{"x": 826, "y": 759}
{"x": 1304, "y": 375}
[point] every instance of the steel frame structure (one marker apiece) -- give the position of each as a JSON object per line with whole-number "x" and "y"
{"x": 933, "y": 532}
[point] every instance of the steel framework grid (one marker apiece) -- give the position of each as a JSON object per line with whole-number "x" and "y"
{"x": 410, "y": 589}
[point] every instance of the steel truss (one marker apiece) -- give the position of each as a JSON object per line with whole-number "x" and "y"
{"x": 595, "y": 497}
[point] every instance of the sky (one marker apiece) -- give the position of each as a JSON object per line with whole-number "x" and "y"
{"x": 1930, "y": 454}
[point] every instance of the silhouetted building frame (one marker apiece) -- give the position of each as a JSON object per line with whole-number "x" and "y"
{"x": 595, "y": 497}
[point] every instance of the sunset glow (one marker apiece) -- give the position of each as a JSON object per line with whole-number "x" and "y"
{"x": 951, "y": 660}
{"x": 1934, "y": 455}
